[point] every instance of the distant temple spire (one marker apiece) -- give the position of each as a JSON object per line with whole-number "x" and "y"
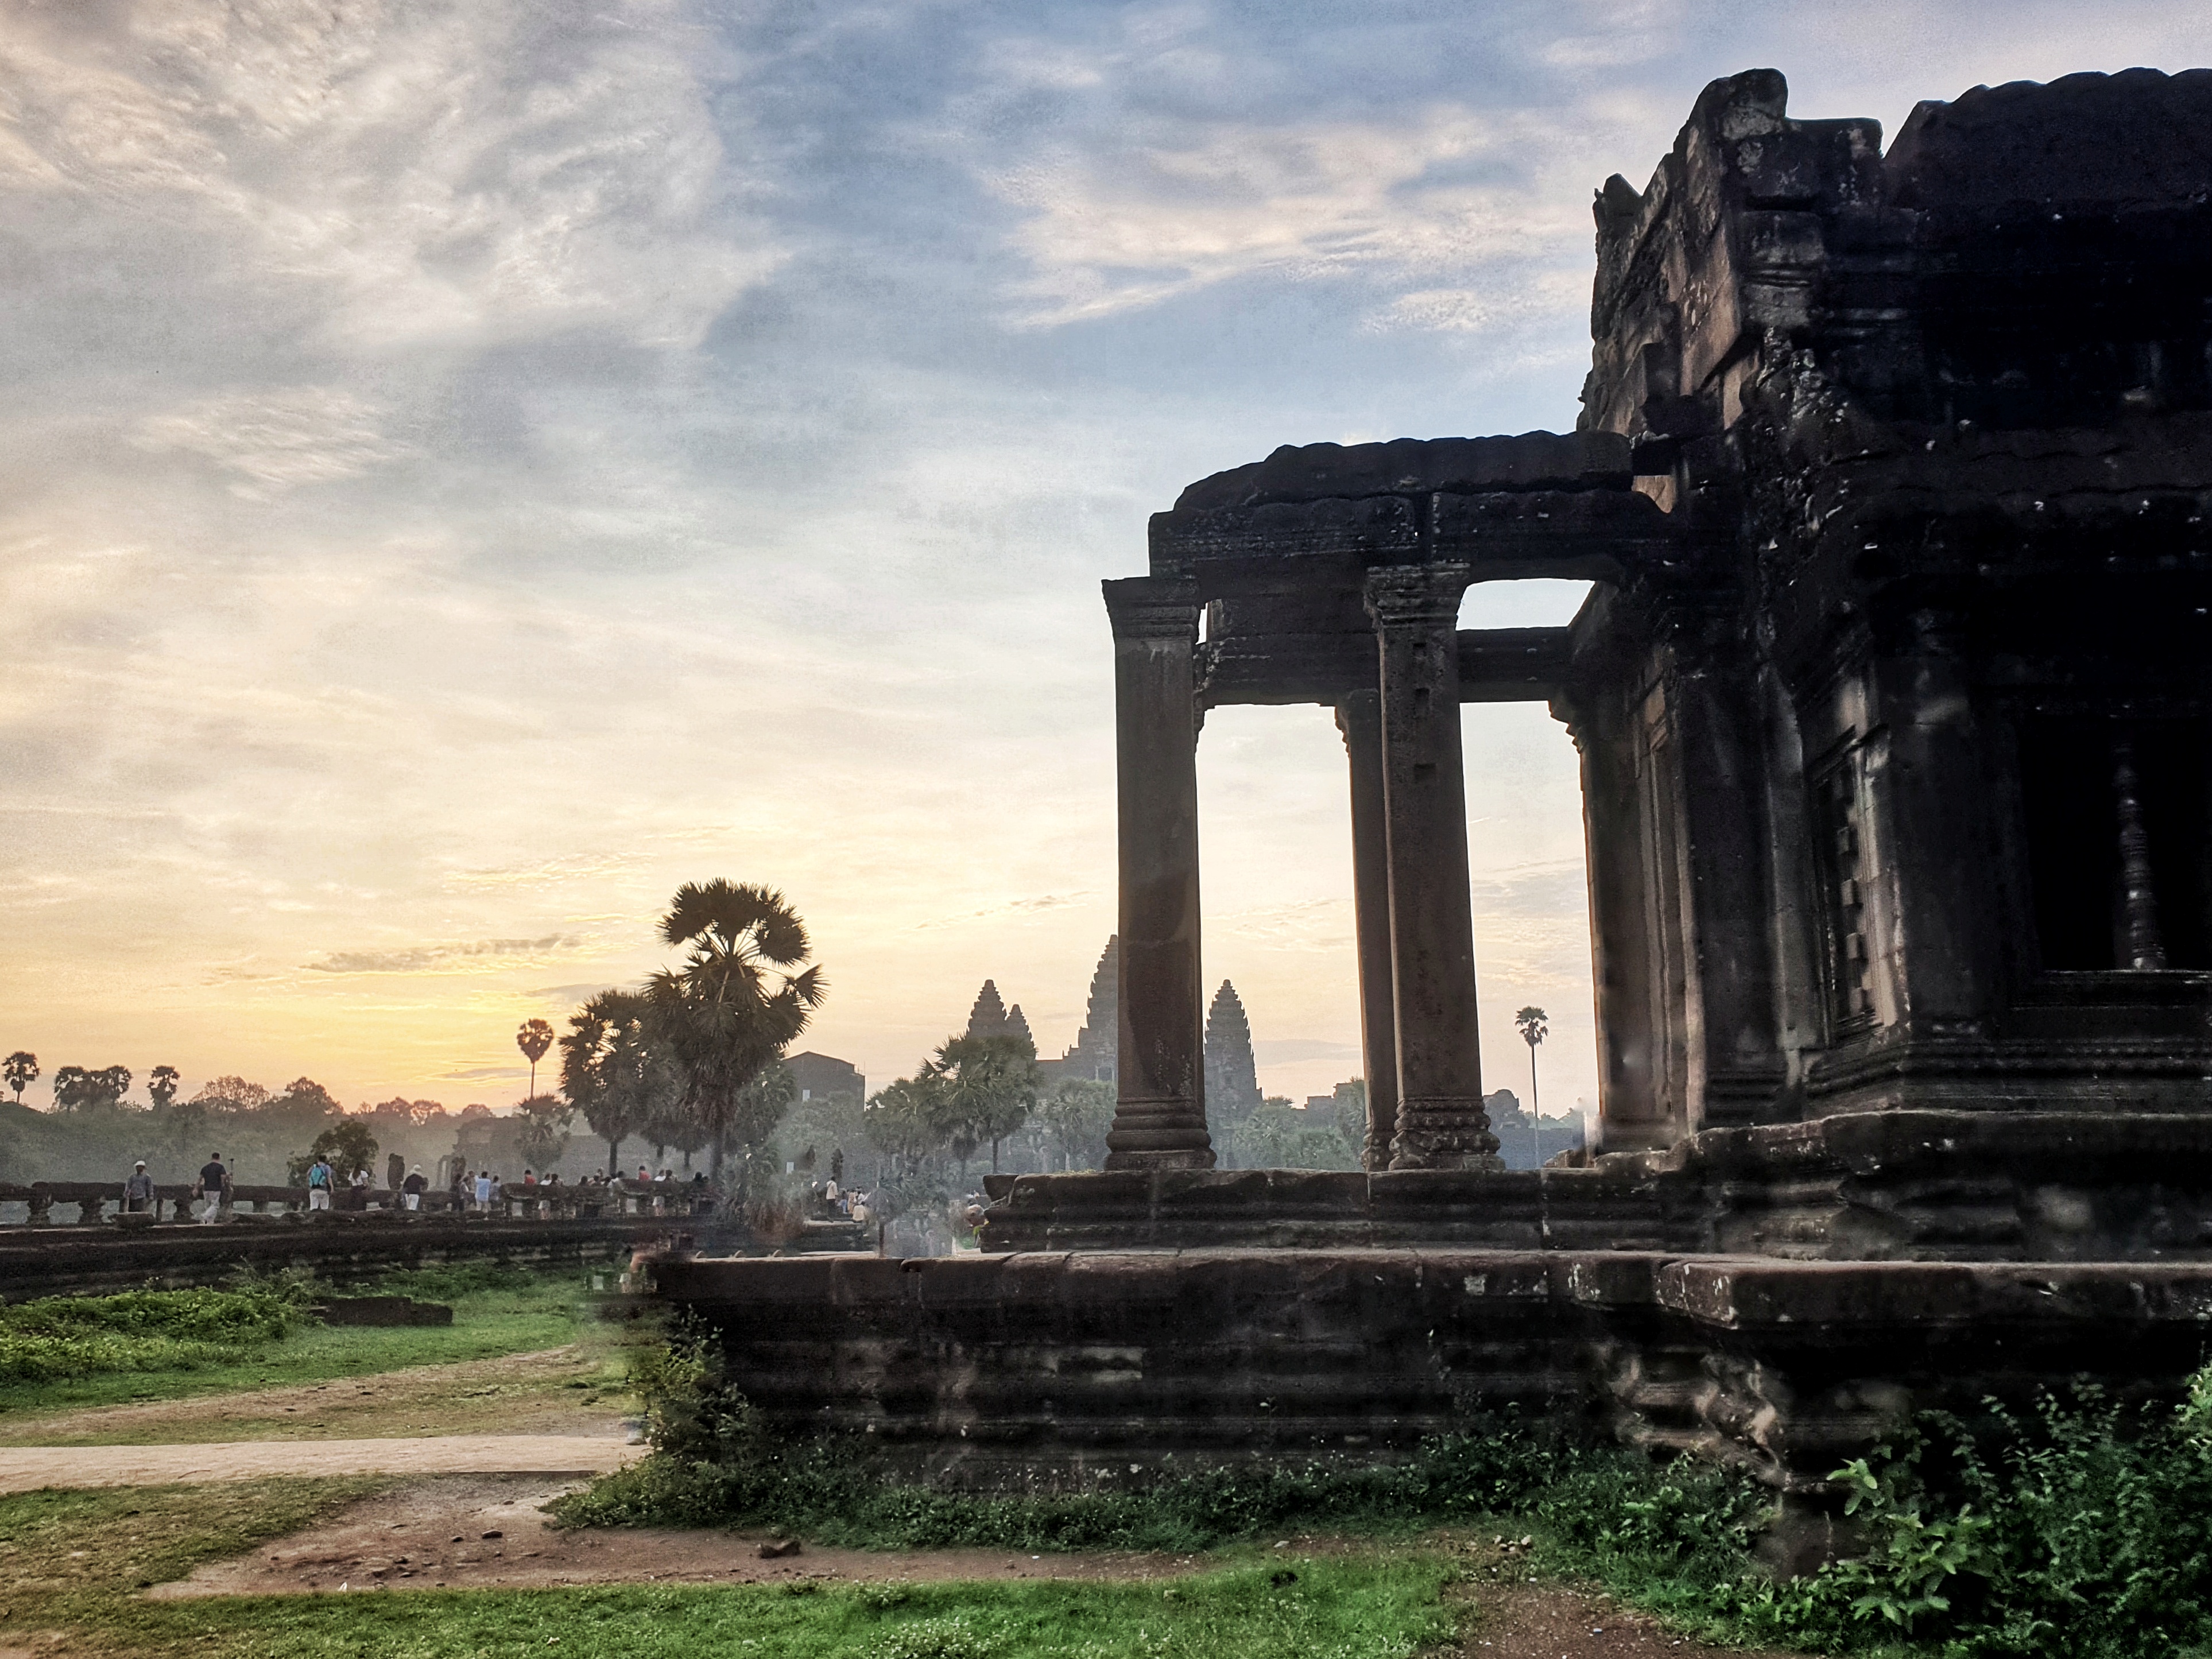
{"x": 1097, "y": 1045}
{"x": 1017, "y": 1025}
{"x": 1232, "y": 1081}
{"x": 987, "y": 1019}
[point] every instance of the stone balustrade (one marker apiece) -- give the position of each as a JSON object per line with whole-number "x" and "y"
{"x": 96, "y": 1201}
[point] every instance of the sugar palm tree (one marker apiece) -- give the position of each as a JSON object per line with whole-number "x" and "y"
{"x": 614, "y": 1070}
{"x": 535, "y": 1038}
{"x": 1531, "y": 1024}
{"x": 744, "y": 992}
{"x": 20, "y": 1070}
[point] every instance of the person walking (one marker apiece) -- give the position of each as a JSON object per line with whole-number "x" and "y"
{"x": 320, "y": 1176}
{"x": 484, "y": 1190}
{"x": 138, "y": 1190}
{"x": 412, "y": 1188}
{"x": 213, "y": 1186}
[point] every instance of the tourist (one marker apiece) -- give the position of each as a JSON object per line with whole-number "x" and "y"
{"x": 457, "y": 1194}
{"x": 358, "y": 1196}
{"x": 213, "y": 1186}
{"x": 644, "y": 1175}
{"x": 412, "y": 1188}
{"x": 319, "y": 1177}
{"x": 484, "y": 1191}
{"x": 529, "y": 1177}
{"x": 138, "y": 1190}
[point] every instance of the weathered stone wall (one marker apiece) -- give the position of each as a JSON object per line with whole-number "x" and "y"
{"x": 1093, "y": 1366}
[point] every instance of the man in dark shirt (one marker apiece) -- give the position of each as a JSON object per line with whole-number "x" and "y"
{"x": 214, "y": 1185}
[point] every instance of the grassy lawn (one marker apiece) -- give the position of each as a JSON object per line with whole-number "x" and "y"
{"x": 495, "y": 1313}
{"x": 73, "y": 1561}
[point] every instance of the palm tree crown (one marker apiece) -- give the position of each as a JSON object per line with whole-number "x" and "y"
{"x": 735, "y": 1004}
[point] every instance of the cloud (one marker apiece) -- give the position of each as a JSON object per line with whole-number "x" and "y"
{"x": 276, "y": 440}
{"x": 471, "y": 957}
{"x": 398, "y": 174}
{"x": 1503, "y": 303}
{"x": 1290, "y": 1051}
{"x": 1317, "y": 924}
{"x": 1441, "y": 187}
{"x": 569, "y": 995}
{"x": 547, "y": 872}
{"x": 1038, "y": 904}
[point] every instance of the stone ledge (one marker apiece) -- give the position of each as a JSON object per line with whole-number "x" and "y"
{"x": 1042, "y": 1368}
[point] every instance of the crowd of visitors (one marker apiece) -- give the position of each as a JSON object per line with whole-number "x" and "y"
{"x": 482, "y": 1192}
{"x": 832, "y": 1200}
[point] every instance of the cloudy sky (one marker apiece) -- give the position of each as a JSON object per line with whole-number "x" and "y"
{"x": 470, "y": 467}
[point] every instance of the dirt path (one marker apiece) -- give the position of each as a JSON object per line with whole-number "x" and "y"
{"x": 554, "y": 1391}
{"x": 485, "y": 1532}
{"x": 27, "y": 1468}
{"x": 1562, "y": 1621}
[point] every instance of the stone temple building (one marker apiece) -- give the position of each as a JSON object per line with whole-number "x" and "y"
{"x": 1094, "y": 1054}
{"x": 1893, "y": 702}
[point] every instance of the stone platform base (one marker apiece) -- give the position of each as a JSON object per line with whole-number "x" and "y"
{"x": 1025, "y": 1369}
{"x": 2021, "y": 1185}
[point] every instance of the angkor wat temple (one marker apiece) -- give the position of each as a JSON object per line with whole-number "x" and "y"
{"x": 1893, "y": 701}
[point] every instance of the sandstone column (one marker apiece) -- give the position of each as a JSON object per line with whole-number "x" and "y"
{"x": 1159, "y": 1116}
{"x": 1441, "y": 1123}
{"x": 1359, "y": 718}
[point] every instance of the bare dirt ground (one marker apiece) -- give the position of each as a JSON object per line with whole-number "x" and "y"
{"x": 486, "y": 1531}
{"x": 534, "y": 1393}
{"x": 482, "y": 1532}
{"x": 1560, "y": 1621}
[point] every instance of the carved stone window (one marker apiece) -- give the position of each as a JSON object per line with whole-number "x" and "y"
{"x": 1838, "y": 865}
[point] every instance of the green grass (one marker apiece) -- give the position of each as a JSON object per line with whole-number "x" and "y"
{"x": 495, "y": 1311}
{"x": 66, "y": 1337}
{"x": 74, "y": 1560}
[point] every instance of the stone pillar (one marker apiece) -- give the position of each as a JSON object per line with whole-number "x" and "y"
{"x": 1159, "y": 1115}
{"x": 1735, "y": 1065}
{"x": 1359, "y": 718}
{"x": 1441, "y": 1122}
{"x": 1631, "y": 1117}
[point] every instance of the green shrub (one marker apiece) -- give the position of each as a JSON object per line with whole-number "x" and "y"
{"x": 2082, "y": 1530}
{"x": 68, "y": 1336}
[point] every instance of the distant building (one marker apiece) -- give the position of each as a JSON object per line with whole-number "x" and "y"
{"x": 820, "y": 1076}
{"x": 990, "y": 1018}
{"x": 1232, "y": 1081}
{"x": 1097, "y": 1045}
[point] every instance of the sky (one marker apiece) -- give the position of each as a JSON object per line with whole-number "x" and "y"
{"x": 469, "y": 468}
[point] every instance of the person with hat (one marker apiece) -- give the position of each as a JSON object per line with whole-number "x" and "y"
{"x": 412, "y": 1188}
{"x": 138, "y": 1191}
